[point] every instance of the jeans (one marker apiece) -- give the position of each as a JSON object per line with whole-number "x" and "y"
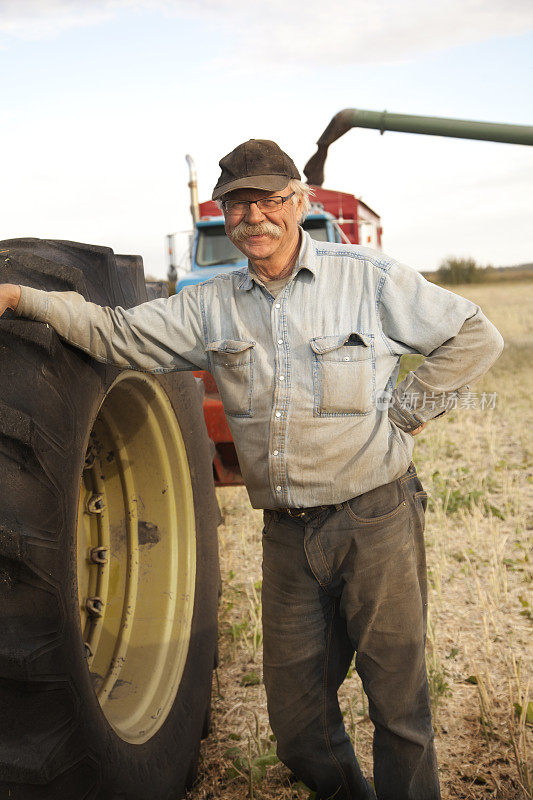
{"x": 338, "y": 581}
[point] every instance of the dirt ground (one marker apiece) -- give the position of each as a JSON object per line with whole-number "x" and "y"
{"x": 477, "y": 466}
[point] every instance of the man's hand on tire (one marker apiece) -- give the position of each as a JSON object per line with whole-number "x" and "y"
{"x": 9, "y": 296}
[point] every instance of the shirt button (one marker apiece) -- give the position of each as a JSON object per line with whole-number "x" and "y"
{"x": 278, "y": 414}
{"x": 276, "y": 452}
{"x": 346, "y": 358}
{"x": 278, "y": 488}
{"x": 277, "y": 305}
{"x": 282, "y": 377}
{"x": 280, "y": 341}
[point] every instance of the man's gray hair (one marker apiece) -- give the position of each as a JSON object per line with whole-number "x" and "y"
{"x": 302, "y": 190}
{"x": 299, "y": 188}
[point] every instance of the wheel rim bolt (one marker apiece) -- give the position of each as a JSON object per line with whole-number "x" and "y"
{"x": 90, "y": 457}
{"x": 98, "y": 555}
{"x": 96, "y": 504}
{"x": 94, "y": 606}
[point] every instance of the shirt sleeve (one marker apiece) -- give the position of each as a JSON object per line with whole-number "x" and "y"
{"x": 162, "y": 335}
{"x": 418, "y": 316}
{"x": 459, "y": 342}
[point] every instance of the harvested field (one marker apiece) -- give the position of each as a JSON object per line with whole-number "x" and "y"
{"x": 477, "y": 465}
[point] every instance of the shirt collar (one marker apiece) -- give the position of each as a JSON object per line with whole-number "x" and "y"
{"x": 306, "y": 260}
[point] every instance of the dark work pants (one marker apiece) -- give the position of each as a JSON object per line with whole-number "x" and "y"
{"x": 341, "y": 581}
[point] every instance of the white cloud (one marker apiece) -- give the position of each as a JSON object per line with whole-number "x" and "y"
{"x": 361, "y": 32}
{"x": 31, "y": 19}
{"x": 331, "y": 33}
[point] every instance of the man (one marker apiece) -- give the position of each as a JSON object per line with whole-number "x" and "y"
{"x": 305, "y": 345}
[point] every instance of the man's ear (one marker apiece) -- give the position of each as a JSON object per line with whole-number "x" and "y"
{"x": 301, "y": 204}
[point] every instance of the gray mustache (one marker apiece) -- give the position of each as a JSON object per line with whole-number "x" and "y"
{"x": 244, "y": 230}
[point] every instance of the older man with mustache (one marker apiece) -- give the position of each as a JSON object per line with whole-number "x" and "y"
{"x": 305, "y": 346}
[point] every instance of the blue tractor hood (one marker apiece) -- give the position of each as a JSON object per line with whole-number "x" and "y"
{"x": 205, "y": 273}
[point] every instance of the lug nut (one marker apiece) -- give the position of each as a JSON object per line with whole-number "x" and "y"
{"x": 95, "y": 504}
{"x": 98, "y": 555}
{"x": 94, "y": 606}
{"x": 90, "y": 457}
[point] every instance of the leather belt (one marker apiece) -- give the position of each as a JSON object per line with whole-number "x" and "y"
{"x": 306, "y": 514}
{"x": 303, "y": 512}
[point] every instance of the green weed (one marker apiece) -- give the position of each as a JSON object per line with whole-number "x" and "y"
{"x": 251, "y": 762}
{"x": 250, "y": 679}
{"x": 437, "y": 675}
{"x": 455, "y": 493}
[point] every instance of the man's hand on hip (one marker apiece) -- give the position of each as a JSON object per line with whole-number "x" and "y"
{"x": 417, "y": 430}
{"x": 9, "y": 296}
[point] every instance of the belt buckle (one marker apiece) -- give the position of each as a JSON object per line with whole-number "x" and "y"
{"x": 295, "y": 514}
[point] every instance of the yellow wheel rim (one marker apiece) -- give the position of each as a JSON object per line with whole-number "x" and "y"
{"x": 136, "y": 556}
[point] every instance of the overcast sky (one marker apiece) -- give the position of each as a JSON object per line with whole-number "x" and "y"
{"x": 101, "y": 101}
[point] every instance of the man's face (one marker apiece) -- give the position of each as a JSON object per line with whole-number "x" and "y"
{"x": 258, "y": 234}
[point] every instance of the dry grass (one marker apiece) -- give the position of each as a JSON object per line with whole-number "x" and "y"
{"x": 478, "y": 469}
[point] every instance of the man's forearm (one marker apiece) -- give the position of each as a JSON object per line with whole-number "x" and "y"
{"x": 83, "y": 324}
{"x": 159, "y": 336}
{"x": 424, "y": 394}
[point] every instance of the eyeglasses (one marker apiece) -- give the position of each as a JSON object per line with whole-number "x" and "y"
{"x": 237, "y": 208}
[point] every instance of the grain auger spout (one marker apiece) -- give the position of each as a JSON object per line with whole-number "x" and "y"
{"x": 409, "y": 123}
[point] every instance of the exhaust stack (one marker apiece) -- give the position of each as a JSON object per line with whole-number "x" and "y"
{"x": 193, "y": 187}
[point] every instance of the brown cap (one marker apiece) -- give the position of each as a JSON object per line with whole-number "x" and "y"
{"x": 255, "y": 164}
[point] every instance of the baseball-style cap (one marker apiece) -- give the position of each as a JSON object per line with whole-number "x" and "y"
{"x": 255, "y": 164}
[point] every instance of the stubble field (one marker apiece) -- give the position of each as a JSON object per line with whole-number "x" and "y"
{"x": 477, "y": 466}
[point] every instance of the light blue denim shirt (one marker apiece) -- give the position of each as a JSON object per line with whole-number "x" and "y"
{"x": 302, "y": 376}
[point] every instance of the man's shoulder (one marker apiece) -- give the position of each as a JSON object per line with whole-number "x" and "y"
{"x": 226, "y": 280}
{"x": 351, "y": 254}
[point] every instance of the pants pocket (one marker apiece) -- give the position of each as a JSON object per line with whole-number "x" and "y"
{"x": 377, "y": 506}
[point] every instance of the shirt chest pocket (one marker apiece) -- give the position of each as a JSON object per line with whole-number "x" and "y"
{"x": 232, "y": 364}
{"x": 343, "y": 374}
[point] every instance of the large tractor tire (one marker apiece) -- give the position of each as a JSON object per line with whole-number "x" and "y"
{"x": 108, "y": 554}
